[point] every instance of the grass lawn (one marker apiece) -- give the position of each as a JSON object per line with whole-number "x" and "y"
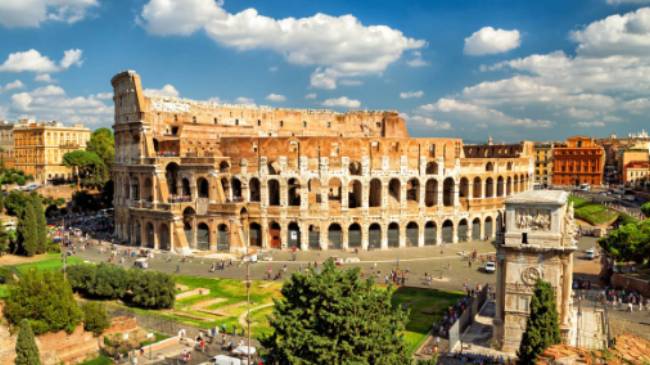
{"x": 593, "y": 213}
{"x": 427, "y": 306}
{"x": 4, "y": 291}
{"x": 100, "y": 360}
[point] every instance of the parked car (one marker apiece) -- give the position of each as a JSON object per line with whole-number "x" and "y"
{"x": 591, "y": 254}
{"x": 490, "y": 267}
{"x": 141, "y": 263}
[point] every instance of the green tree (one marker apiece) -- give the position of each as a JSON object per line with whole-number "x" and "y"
{"x": 45, "y": 299}
{"x": 26, "y": 349}
{"x": 4, "y": 240}
{"x": 645, "y": 209}
{"x": 151, "y": 289}
{"x": 87, "y": 166}
{"x": 15, "y": 202}
{"x": 629, "y": 242}
{"x": 27, "y": 233}
{"x": 102, "y": 143}
{"x": 41, "y": 223}
{"x": 334, "y": 317}
{"x": 96, "y": 319}
{"x": 542, "y": 326}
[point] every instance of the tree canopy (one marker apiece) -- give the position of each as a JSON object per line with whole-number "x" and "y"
{"x": 334, "y": 317}
{"x": 102, "y": 143}
{"x": 542, "y": 326}
{"x": 645, "y": 209}
{"x": 629, "y": 242}
{"x": 88, "y": 166}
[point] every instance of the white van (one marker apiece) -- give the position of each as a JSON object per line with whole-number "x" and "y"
{"x": 226, "y": 360}
{"x": 141, "y": 263}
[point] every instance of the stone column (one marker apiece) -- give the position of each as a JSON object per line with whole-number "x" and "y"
{"x": 364, "y": 236}
{"x": 567, "y": 280}
{"x": 143, "y": 234}
{"x": 265, "y": 232}
{"x": 481, "y": 234}
{"x": 365, "y": 194}
{"x": 384, "y": 236}
{"x": 438, "y": 233}
{"x": 421, "y": 225}
{"x": 440, "y": 192}
{"x": 454, "y": 237}
{"x": 156, "y": 239}
{"x": 345, "y": 239}
{"x": 344, "y": 195}
{"x": 304, "y": 237}
{"x": 324, "y": 240}
{"x": 304, "y": 198}
{"x": 402, "y": 195}
{"x": 422, "y": 193}
{"x": 456, "y": 193}
{"x": 402, "y": 235}
{"x": 283, "y": 193}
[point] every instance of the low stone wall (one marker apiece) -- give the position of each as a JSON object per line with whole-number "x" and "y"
{"x": 62, "y": 348}
{"x": 622, "y": 281}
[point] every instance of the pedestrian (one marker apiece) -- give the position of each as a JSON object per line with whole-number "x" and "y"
{"x": 630, "y": 307}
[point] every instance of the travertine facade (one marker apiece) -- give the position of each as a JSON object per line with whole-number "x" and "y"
{"x": 191, "y": 175}
{"x": 39, "y": 148}
{"x": 538, "y": 242}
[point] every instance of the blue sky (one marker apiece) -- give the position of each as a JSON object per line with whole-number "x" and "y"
{"x": 508, "y": 69}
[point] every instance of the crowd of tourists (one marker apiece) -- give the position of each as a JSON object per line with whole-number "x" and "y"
{"x": 481, "y": 359}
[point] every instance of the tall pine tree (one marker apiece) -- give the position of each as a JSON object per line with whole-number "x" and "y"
{"x": 543, "y": 325}
{"x": 334, "y": 317}
{"x": 27, "y": 231}
{"x": 41, "y": 224}
{"x": 26, "y": 349}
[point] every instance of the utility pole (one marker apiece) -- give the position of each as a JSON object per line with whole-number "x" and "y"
{"x": 248, "y": 287}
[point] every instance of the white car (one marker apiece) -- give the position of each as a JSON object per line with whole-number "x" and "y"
{"x": 591, "y": 254}
{"x": 490, "y": 267}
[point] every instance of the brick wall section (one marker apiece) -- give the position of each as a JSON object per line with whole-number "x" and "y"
{"x": 621, "y": 281}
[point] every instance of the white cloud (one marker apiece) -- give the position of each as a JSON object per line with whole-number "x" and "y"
{"x": 339, "y": 46}
{"x": 167, "y": 90}
{"x": 488, "y": 40}
{"x": 276, "y": 98}
{"x": 342, "y": 102}
{"x": 17, "y": 84}
{"x": 52, "y": 103}
{"x": 411, "y": 94}
{"x": 273, "y": 69}
{"x": 311, "y": 96}
{"x": 351, "y": 82}
{"x": 416, "y": 60}
{"x": 104, "y": 96}
{"x": 31, "y": 13}
{"x": 44, "y": 78}
{"x": 33, "y": 61}
{"x": 619, "y": 2}
{"x": 430, "y": 122}
{"x": 593, "y": 124}
{"x": 244, "y": 100}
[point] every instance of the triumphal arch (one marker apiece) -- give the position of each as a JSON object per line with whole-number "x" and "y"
{"x": 216, "y": 177}
{"x": 538, "y": 242}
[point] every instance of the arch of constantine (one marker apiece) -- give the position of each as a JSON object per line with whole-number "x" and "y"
{"x": 202, "y": 176}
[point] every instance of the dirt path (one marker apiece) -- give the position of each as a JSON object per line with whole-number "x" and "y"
{"x": 16, "y": 260}
{"x": 242, "y": 317}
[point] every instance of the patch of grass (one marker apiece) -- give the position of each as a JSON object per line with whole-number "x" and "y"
{"x": 157, "y": 337}
{"x": 99, "y": 360}
{"x": 51, "y": 261}
{"x": 593, "y": 213}
{"x": 4, "y": 291}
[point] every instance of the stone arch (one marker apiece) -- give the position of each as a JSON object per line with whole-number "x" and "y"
{"x": 463, "y": 188}
{"x": 412, "y": 234}
{"x": 463, "y": 230}
{"x": 509, "y": 186}
{"x": 187, "y": 189}
{"x": 355, "y": 194}
{"x": 235, "y": 185}
{"x": 313, "y": 188}
{"x": 150, "y": 233}
{"x": 393, "y": 234}
{"x": 488, "y": 227}
{"x": 500, "y": 186}
{"x": 223, "y": 238}
{"x": 335, "y": 189}
{"x": 374, "y": 236}
{"x": 293, "y": 192}
{"x": 374, "y": 193}
{"x": 203, "y": 237}
{"x": 335, "y": 236}
{"x": 203, "y": 187}
{"x": 447, "y": 231}
{"x": 255, "y": 234}
{"x": 448, "y": 192}
{"x": 413, "y": 190}
{"x": 477, "y": 188}
{"x": 432, "y": 168}
{"x": 515, "y": 184}
{"x": 476, "y": 229}
{"x": 431, "y": 193}
{"x": 394, "y": 191}
{"x": 171, "y": 176}
{"x": 522, "y": 183}
{"x": 489, "y": 187}
{"x": 354, "y": 236}
{"x": 164, "y": 239}
{"x": 314, "y": 237}
{"x": 293, "y": 235}
{"x": 254, "y": 190}
{"x": 274, "y": 192}
{"x": 430, "y": 233}
{"x": 147, "y": 190}
{"x": 275, "y": 235}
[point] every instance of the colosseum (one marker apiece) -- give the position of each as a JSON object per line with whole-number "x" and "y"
{"x": 200, "y": 176}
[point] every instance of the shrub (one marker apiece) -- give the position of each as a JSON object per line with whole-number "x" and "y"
{"x": 26, "y": 350}
{"x": 81, "y": 277}
{"x": 645, "y": 209}
{"x": 111, "y": 282}
{"x": 95, "y": 317}
{"x": 151, "y": 289}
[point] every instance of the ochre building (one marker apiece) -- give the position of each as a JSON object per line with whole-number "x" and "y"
{"x": 543, "y": 163}
{"x": 201, "y": 176}
{"x": 39, "y": 148}
{"x": 579, "y": 161}
{"x": 6, "y": 144}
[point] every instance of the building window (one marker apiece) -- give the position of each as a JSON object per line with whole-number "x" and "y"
{"x": 282, "y": 123}
{"x": 304, "y": 124}
{"x": 259, "y": 123}
{"x": 216, "y": 121}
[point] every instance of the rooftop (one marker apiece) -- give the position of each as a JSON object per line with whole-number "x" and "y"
{"x": 558, "y": 197}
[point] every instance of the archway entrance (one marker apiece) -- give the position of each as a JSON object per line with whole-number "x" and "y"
{"x": 430, "y": 233}
{"x": 393, "y": 235}
{"x": 293, "y": 235}
{"x": 412, "y": 234}
{"x": 314, "y": 237}
{"x": 448, "y": 232}
{"x": 354, "y": 236}
{"x": 462, "y": 230}
{"x": 255, "y": 235}
{"x": 476, "y": 229}
{"x": 335, "y": 236}
{"x": 374, "y": 236}
{"x": 275, "y": 235}
{"x": 203, "y": 237}
{"x": 223, "y": 240}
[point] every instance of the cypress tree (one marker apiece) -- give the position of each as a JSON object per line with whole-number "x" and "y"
{"x": 26, "y": 349}
{"x": 41, "y": 224}
{"x": 543, "y": 325}
{"x": 27, "y": 232}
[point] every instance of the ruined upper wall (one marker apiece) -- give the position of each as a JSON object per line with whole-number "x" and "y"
{"x": 194, "y": 119}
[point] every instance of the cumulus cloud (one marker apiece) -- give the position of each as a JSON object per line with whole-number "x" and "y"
{"x": 351, "y": 82}
{"x": 593, "y": 124}
{"x": 619, "y": 2}
{"x": 17, "y": 84}
{"x": 276, "y": 98}
{"x": 167, "y": 90}
{"x": 430, "y": 123}
{"x": 411, "y": 94}
{"x": 627, "y": 34}
{"x": 339, "y": 46}
{"x": 311, "y": 96}
{"x": 33, "y": 61}
{"x": 44, "y": 78}
{"x": 31, "y": 13}
{"x": 488, "y": 40}
{"x": 244, "y": 100}
{"x": 342, "y": 102}
{"x": 52, "y": 103}
{"x": 416, "y": 60}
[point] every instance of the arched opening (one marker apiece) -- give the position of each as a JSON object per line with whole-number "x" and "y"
{"x": 150, "y": 236}
{"x": 225, "y": 186}
{"x": 171, "y": 176}
{"x": 355, "y": 168}
{"x": 164, "y": 242}
{"x": 188, "y": 225}
{"x": 515, "y": 184}
{"x": 314, "y": 237}
{"x": 224, "y": 167}
{"x": 476, "y": 229}
{"x": 509, "y": 186}
{"x": 293, "y": 192}
{"x": 488, "y": 227}
{"x": 223, "y": 238}
{"x": 147, "y": 190}
{"x": 463, "y": 188}
{"x": 489, "y": 188}
{"x": 274, "y": 192}
{"x": 255, "y": 235}
{"x": 355, "y": 194}
{"x": 204, "y": 187}
{"x": 432, "y": 168}
{"x": 430, "y": 233}
{"x": 275, "y": 235}
{"x": 374, "y": 236}
{"x": 236, "y": 189}
{"x": 254, "y": 189}
{"x": 335, "y": 236}
{"x": 477, "y": 188}
{"x": 393, "y": 235}
{"x": 500, "y": 186}
{"x": 135, "y": 189}
{"x": 293, "y": 235}
{"x": 156, "y": 145}
{"x": 489, "y": 166}
{"x": 448, "y": 192}
{"x": 412, "y": 234}
{"x": 394, "y": 191}
{"x": 203, "y": 237}
{"x": 374, "y": 194}
{"x": 137, "y": 229}
{"x": 522, "y": 183}
{"x": 354, "y": 236}
{"x": 463, "y": 230}
{"x": 447, "y": 231}
{"x": 187, "y": 191}
{"x": 334, "y": 191}
{"x": 413, "y": 190}
{"x": 431, "y": 193}
{"x": 313, "y": 188}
